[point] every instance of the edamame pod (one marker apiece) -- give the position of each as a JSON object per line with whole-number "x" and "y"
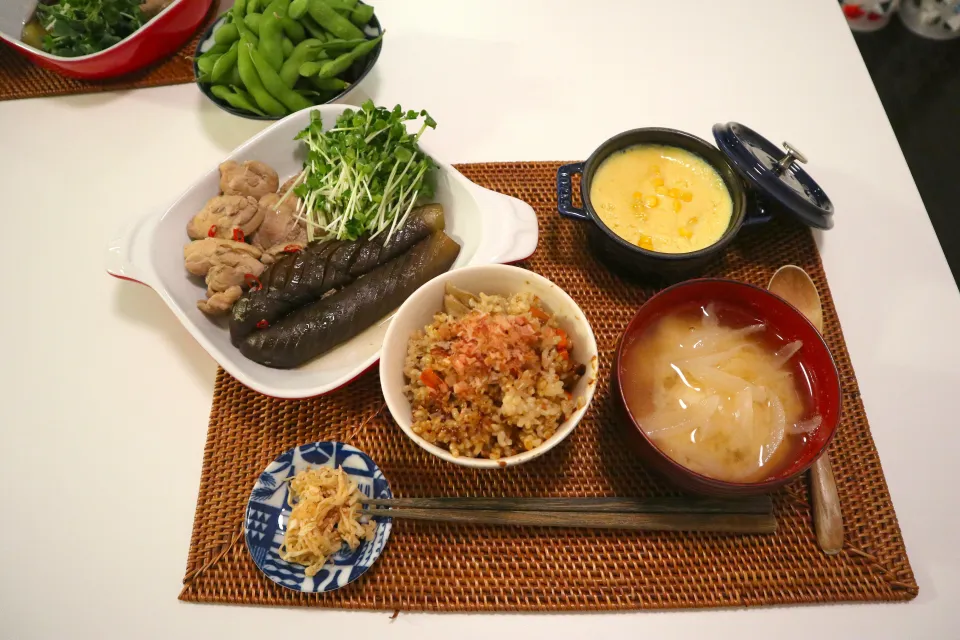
{"x": 342, "y": 62}
{"x": 226, "y": 34}
{"x": 332, "y": 21}
{"x": 361, "y": 15}
{"x": 274, "y": 85}
{"x": 251, "y": 80}
{"x": 315, "y": 30}
{"x": 297, "y": 9}
{"x": 330, "y": 84}
{"x": 235, "y": 99}
{"x": 253, "y": 22}
{"x": 247, "y": 99}
{"x": 239, "y": 10}
{"x": 290, "y": 70}
{"x": 226, "y": 62}
{"x": 253, "y": 6}
{"x": 286, "y": 47}
{"x": 341, "y": 5}
{"x": 233, "y": 78}
{"x": 293, "y": 29}
{"x": 215, "y": 49}
{"x": 245, "y": 29}
{"x": 206, "y": 63}
{"x": 271, "y": 34}
{"x": 323, "y": 95}
{"x": 336, "y": 45}
{"x": 309, "y": 68}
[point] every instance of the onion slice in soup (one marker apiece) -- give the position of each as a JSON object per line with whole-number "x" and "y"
{"x": 805, "y": 426}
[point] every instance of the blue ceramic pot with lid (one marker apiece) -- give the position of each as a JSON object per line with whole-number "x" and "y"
{"x": 761, "y": 178}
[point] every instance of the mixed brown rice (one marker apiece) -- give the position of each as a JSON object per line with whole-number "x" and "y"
{"x": 493, "y": 379}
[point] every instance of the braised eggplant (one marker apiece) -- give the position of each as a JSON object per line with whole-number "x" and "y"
{"x": 321, "y": 325}
{"x": 304, "y": 276}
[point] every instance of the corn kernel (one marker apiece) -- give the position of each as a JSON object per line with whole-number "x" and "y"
{"x": 661, "y": 191}
{"x": 686, "y": 196}
{"x": 676, "y": 206}
{"x": 645, "y": 242}
{"x": 686, "y": 233}
{"x": 637, "y": 195}
{"x": 658, "y": 182}
{"x": 651, "y": 201}
{"x": 674, "y": 193}
{"x": 692, "y": 221}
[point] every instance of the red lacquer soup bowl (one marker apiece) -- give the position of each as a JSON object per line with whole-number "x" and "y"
{"x": 786, "y": 324}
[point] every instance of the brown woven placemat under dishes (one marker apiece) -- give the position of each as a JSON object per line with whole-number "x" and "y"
{"x": 21, "y": 78}
{"x": 445, "y": 567}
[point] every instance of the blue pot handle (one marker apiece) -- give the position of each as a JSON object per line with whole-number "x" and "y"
{"x": 757, "y": 210}
{"x": 565, "y": 191}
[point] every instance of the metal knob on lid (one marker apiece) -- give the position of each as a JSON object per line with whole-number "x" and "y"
{"x": 774, "y": 175}
{"x": 787, "y": 161}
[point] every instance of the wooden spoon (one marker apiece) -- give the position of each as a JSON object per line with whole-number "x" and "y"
{"x": 794, "y": 285}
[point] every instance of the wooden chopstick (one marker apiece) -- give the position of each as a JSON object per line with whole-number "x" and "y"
{"x": 715, "y": 522}
{"x": 758, "y": 505}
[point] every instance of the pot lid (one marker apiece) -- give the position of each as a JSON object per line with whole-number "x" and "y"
{"x": 775, "y": 173}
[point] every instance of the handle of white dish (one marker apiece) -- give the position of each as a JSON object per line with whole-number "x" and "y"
{"x": 127, "y": 253}
{"x": 514, "y": 235}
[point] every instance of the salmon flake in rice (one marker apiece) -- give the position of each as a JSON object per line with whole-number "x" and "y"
{"x": 493, "y": 382}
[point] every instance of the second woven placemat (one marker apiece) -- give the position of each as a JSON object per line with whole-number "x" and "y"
{"x": 442, "y": 567}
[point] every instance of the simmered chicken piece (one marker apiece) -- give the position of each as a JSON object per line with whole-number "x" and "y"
{"x": 280, "y": 224}
{"x": 221, "y": 302}
{"x": 200, "y": 255}
{"x": 227, "y": 265}
{"x": 223, "y": 216}
{"x": 252, "y": 178}
{"x": 289, "y": 184}
{"x": 231, "y": 269}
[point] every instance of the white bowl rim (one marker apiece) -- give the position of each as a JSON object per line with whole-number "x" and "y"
{"x": 562, "y": 432}
{"x": 17, "y": 42}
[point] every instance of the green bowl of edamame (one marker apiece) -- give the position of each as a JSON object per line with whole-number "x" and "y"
{"x": 311, "y": 52}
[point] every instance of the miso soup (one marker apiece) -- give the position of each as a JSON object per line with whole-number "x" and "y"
{"x": 719, "y": 392}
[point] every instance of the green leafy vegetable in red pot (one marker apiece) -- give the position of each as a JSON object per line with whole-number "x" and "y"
{"x": 72, "y": 28}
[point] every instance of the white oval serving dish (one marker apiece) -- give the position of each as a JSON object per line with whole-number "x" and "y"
{"x": 490, "y": 228}
{"x": 418, "y": 311}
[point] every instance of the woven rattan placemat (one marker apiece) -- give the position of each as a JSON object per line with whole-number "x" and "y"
{"x": 21, "y": 78}
{"x": 442, "y": 567}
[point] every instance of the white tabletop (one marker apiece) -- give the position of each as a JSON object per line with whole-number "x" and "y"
{"x": 105, "y": 398}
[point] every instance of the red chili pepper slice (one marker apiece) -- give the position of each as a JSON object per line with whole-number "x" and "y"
{"x": 263, "y": 324}
{"x": 212, "y": 231}
{"x": 292, "y": 248}
{"x": 252, "y": 281}
{"x": 238, "y": 235}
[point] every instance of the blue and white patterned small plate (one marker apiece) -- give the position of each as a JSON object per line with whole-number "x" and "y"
{"x": 265, "y": 522}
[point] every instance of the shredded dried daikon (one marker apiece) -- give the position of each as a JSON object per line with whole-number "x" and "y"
{"x": 325, "y": 514}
